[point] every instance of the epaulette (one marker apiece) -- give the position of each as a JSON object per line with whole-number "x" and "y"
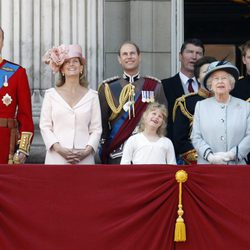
{"x": 248, "y": 100}
{"x": 153, "y": 78}
{"x": 183, "y": 97}
{"x": 111, "y": 79}
{"x": 241, "y": 77}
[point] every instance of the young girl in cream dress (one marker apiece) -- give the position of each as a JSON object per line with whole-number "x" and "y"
{"x": 150, "y": 146}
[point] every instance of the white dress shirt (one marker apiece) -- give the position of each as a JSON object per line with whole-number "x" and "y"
{"x": 184, "y": 80}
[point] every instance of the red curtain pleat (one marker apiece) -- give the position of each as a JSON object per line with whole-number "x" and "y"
{"x": 106, "y": 207}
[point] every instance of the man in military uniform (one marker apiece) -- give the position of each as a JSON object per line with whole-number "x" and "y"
{"x": 183, "y": 113}
{"x": 242, "y": 86}
{"x": 16, "y": 125}
{"x": 123, "y": 100}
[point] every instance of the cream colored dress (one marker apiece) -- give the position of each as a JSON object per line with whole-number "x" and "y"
{"x": 73, "y": 128}
{"x": 139, "y": 150}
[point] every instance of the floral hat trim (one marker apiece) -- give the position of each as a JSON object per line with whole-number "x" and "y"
{"x": 56, "y": 56}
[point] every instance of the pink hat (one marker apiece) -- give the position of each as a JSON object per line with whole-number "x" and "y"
{"x": 56, "y": 56}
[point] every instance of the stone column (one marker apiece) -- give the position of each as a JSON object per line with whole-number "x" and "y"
{"x": 177, "y": 33}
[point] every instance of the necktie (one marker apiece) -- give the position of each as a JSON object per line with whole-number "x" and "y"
{"x": 190, "y": 87}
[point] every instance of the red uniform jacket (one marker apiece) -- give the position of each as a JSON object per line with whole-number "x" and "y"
{"x": 19, "y": 108}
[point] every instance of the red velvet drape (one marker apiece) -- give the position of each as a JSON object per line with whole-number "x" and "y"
{"x": 122, "y": 207}
{"x": 217, "y": 208}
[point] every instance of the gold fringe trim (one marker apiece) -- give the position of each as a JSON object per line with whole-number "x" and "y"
{"x": 181, "y": 176}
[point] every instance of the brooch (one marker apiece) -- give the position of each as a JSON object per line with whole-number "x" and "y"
{"x": 7, "y": 99}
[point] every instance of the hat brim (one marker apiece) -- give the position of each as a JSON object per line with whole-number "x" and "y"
{"x": 229, "y": 69}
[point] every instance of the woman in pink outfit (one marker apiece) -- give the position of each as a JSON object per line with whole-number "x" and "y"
{"x": 70, "y": 119}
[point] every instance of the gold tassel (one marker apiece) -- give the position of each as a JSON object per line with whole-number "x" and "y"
{"x": 181, "y": 176}
{"x": 131, "y": 101}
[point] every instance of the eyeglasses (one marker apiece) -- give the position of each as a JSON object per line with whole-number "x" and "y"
{"x": 219, "y": 79}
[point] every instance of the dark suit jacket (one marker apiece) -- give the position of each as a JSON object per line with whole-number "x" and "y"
{"x": 173, "y": 89}
{"x": 183, "y": 121}
{"x": 242, "y": 88}
{"x": 242, "y": 91}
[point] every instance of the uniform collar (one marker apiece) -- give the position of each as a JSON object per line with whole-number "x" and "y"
{"x": 129, "y": 78}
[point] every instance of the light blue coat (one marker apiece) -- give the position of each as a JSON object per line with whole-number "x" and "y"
{"x": 222, "y": 127}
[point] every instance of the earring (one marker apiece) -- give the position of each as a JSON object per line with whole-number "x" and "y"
{"x": 81, "y": 72}
{"x": 62, "y": 74}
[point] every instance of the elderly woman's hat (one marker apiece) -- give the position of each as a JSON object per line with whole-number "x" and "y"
{"x": 56, "y": 56}
{"x": 221, "y": 65}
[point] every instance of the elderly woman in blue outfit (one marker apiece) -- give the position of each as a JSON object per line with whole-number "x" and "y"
{"x": 221, "y": 127}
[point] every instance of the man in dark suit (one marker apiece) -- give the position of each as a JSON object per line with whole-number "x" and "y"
{"x": 184, "y": 81}
{"x": 183, "y": 113}
{"x": 242, "y": 86}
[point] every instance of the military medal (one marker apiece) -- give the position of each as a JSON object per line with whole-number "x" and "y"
{"x": 152, "y": 97}
{"x": 143, "y": 96}
{"x": 147, "y": 96}
{"x": 5, "y": 84}
{"x": 7, "y": 100}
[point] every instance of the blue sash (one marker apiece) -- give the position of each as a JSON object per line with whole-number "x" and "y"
{"x": 7, "y": 71}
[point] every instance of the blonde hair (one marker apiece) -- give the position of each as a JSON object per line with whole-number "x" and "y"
{"x": 82, "y": 78}
{"x": 161, "y": 131}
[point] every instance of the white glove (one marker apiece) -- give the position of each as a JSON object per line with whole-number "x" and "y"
{"x": 227, "y": 156}
{"x": 216, "y": 159}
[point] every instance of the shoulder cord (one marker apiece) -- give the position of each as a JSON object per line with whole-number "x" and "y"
{"x": 182, "y": 104}
{"x": 126, "y": 93}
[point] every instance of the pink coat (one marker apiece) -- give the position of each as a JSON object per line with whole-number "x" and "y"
{"x": 73, "y": 128}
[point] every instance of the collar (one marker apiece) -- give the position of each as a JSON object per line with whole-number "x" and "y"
{"x": 129, "y": 78}
{"x": 185, "y": 79}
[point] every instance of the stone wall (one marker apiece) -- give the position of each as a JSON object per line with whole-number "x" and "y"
{"x": 148, "y": 24}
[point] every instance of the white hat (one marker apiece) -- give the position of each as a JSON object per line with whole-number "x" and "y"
{"x": 221, "y": 65}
